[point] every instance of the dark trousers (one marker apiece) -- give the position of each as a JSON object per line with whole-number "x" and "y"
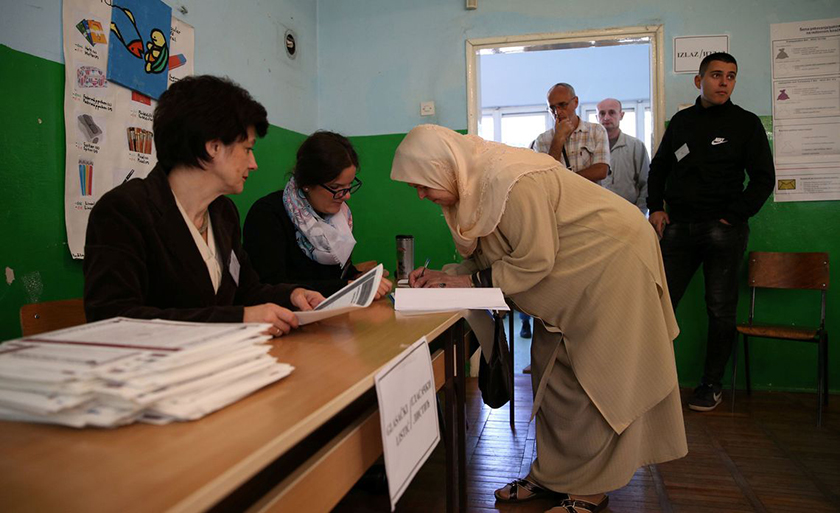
{"x": 720, "y": 248}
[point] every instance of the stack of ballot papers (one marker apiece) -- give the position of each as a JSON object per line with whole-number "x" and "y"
{"x": 118, "y": 371}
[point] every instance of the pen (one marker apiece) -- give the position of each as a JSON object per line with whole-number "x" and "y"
{"x": 425, "y": 266}
{"x": 128, "y": 176}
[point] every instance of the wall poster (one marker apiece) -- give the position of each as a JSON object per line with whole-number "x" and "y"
{"x": 109, "y": 137}
{"x": 805, "y": 58}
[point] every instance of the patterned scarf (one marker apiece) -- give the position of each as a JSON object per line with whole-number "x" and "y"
{"x": 329, "y": 240}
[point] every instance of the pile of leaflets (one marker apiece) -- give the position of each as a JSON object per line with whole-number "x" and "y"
{"x": 117, "y": 371}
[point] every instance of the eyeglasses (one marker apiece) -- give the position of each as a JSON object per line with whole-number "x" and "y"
{"x": 355, "y": 185}
{"x": 559, "y": 106}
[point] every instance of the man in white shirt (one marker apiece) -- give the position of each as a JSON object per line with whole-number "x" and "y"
{"x": 629, "y": 161}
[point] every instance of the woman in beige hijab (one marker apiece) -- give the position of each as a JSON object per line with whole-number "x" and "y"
{"x": 587, "y": 264}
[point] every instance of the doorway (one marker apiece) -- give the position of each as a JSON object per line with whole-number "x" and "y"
{"x": 508, "y": 78}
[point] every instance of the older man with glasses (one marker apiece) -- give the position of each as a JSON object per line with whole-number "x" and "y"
{"x": 578, "y": 145}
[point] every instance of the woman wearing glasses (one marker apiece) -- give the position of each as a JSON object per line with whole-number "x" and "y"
{"x": 304, "y": 232}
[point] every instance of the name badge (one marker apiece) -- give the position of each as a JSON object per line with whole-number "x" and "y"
{"x": 682, "y": 152}
{"x": 234, "y": 267}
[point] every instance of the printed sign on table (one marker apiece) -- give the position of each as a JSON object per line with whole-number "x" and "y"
{"x": 405, "y": 389}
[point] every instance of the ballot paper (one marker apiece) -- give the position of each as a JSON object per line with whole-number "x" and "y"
{"x": 358, "y": 294}
{"x": 117, "y": 371}
{"x": 431, "y": 300}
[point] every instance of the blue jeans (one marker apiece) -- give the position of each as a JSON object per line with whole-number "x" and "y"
{"x": 720, "y": 248}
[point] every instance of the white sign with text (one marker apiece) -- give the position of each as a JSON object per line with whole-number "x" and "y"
{"x": 690, "y": 50}
{"x": 405, "y": 389}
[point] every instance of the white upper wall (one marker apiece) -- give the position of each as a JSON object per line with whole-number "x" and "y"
{"x": 241, "y": 39}
{"x": 378, "y": 59}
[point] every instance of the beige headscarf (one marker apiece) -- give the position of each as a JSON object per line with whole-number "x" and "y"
{"x": 480, "y": 172}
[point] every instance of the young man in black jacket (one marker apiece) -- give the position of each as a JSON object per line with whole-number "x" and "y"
{"x": 698, "y": 172}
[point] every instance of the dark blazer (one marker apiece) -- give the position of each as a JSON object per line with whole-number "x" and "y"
{"x": 269, "y": 238}
{"x": 142, "y": 262}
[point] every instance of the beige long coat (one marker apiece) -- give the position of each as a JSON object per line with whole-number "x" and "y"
{"x": 587, "y": 262}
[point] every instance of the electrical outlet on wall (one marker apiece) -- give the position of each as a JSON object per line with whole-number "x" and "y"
{"x": 427, "y": 108}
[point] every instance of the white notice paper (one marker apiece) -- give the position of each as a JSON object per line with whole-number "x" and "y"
{"x": 405, "y": 389}
{"x": 690, "y": 50}
{"x": 806, "y": 109}
{"x": 432, "y": 300}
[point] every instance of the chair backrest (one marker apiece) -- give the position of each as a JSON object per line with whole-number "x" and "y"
{"x": 788, "y": 270}
{"x": 38, "y": 318}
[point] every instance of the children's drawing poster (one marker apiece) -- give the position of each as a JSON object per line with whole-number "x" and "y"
{"x": 139, "y": 45}
{"x": 109, "y": 132}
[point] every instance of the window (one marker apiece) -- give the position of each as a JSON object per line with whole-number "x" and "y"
{"x": 508, "y": 76}
{"x": 486, "y": 128}
{"x": 514, "y": 126}
{"x": 520, "y": 129}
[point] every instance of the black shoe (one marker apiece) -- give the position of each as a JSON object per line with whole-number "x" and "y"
{"x": 525, "y": 332}
{"x": 705, "y": 398}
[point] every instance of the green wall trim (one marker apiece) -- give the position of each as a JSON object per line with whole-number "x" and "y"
{"x": 34, "y": 240}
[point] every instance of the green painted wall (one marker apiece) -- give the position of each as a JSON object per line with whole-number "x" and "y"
{"x": 383, "y": 209}
{"x": 33, "y": 242}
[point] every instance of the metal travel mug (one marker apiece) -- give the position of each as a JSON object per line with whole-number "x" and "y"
{"x": 405, "y": 258}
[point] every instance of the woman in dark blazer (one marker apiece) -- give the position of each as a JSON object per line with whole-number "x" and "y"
{"x": 305, "y": 231}
{"x": 168, "y": 246}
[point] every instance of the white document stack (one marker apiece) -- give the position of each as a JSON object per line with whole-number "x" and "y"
{"x": 117, "y": 371}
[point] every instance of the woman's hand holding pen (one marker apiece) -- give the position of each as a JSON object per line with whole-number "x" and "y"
{"x": 423, "y": 278}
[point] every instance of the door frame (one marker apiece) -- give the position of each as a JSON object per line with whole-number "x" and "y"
{"x": 656, "y": 33}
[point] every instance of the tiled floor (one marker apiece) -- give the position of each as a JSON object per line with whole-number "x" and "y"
{"x": 767, "y": 456}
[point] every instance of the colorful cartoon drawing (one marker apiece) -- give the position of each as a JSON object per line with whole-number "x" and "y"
{"x": 122, "y": 17}
{"x": 157, "y": 53}
{"x": 139, "y": 63}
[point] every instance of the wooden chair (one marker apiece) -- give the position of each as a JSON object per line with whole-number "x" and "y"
{"x": 38, "y": 318}
{"x": 805, "y": 271}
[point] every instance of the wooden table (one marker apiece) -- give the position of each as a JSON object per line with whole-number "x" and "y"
{"x": 298, "y": 445}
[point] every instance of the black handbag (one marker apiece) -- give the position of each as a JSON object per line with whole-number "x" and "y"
{"x": 494, "y": 378}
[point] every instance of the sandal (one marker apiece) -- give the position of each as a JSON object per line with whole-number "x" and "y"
{"x": 534, "y": 491}
{"x": 579, "y": 506}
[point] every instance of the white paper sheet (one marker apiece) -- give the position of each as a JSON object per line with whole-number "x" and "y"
{"x": 408, "y": 301}
{"x": 358, "y": 294}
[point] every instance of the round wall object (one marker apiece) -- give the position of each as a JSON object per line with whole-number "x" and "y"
{"x": 290, "y": 40}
